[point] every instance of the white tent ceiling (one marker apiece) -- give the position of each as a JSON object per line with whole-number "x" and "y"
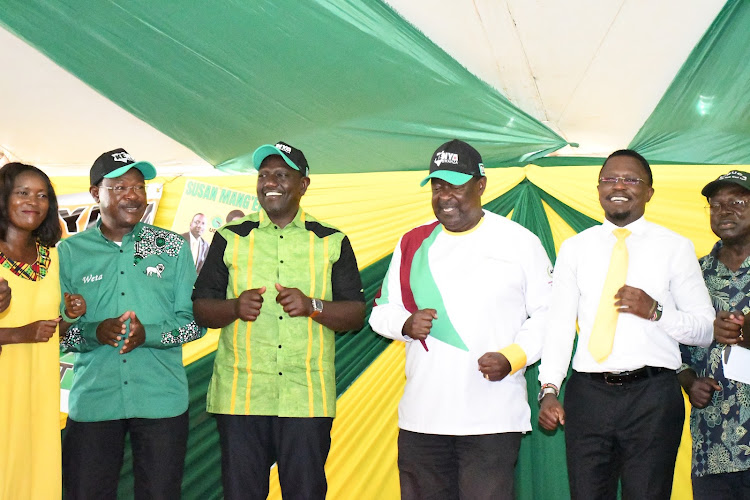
{"x": 590, "y": 70}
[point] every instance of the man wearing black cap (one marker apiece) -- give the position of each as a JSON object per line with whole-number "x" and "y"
{"x": 278, "y": 283}
{"x": 136, "y": 280}
{"x": 635, "y": 291}
{"x": 467, "y": 294}
{"x": 719, "y": 393}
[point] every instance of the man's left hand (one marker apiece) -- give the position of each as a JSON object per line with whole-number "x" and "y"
{"x": 294, "y": 302}
{"x": 633, "y": 300}
{"x": 137, "y": 335}
{"x": 494, "y": 366}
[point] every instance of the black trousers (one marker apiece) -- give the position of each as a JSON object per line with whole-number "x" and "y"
{"x": 93, "y": 455}
{"x": 250, "y": 444}
{"x": 440, "y": 467}
{"x": 627, "y": 432}
{"x": 727, "y": 486}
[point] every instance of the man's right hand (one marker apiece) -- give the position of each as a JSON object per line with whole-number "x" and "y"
{"x": 419, "y": 324}
{"x": 551, "y": 413}
{"x": 247, "y": 305}
{"x": 4, "y": 294}
{"x": 702, "y": 390}
{"x": 111, "y": 331}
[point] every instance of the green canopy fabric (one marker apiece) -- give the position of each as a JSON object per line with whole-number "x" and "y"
{"x": 704, "y": 116}
{"x": 349, "y": 82}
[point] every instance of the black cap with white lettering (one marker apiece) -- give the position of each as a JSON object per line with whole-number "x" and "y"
{"x": 455, "y": 162}
{"x": 115, "y": 163}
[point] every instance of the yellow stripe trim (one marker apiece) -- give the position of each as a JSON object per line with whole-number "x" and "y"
{"x": 320, "y": 329}
{"x": 248, "y": 354}
{"x": 310, "y": 398}
{"x": 235, "y": 371}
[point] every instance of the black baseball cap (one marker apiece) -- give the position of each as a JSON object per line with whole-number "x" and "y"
{"x": 291, "y": 155}
{"x": 115, "y": 163}
{"x": 734, "y": 177}
{"x": 455, "y": 162}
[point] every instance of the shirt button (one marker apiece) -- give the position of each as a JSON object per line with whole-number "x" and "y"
{"x": 122, "y": 293}
{"x": 281, "y": 317}
{"x": 124, "y": 360}
{"x": 279, "y": 373}
{"x": 122, "y": 272}
{"x": 281, "y": 262}
{"x": 120, "y": 250}
{"x": 279, "y": 347}
{"x": 281, "y": 236}
{"x": 126, "y": 382}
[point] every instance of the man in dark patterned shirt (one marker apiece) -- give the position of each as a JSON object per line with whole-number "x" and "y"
{"x": 720, "y": 418}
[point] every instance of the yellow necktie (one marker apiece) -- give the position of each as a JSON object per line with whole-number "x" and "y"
{"x": 605, "y": 323}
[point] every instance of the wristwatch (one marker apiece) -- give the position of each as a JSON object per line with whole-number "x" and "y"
{"x": 317, "y": 306}
{"x": 547, "y": 389}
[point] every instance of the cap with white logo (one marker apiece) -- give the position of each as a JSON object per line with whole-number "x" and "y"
{"x": 115, "y": 163}
{"x": 733, "y": 177}
{"x": 455, "y": 162}
{"x": 291, "y": 155}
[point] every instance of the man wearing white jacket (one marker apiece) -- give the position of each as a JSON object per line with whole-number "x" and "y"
{"x": 467, "y": 294}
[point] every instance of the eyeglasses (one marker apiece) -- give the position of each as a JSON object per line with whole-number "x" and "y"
{"x": 736, "y": 206}
{"x": 120, "y": 190}
{"x": 628, "y": 181}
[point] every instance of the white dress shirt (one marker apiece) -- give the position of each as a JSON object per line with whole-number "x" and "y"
{"x": 661, "y": 263}
{"x": 494, "y": 282}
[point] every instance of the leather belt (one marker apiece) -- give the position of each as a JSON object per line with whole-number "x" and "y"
{"x": 620, "y": 378}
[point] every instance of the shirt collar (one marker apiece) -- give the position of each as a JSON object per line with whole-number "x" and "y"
{"x": 720, "y": 265}
{"x": 635, "y": 227}
{"x": 127, "y": 236}
{"x": 299, "y": 219}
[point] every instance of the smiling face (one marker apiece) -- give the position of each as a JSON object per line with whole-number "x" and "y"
{"x": 458, "y": 208}
{"x": 280, "y": 189}
{"x": 28, "y": 202}
{"x": 730, "y": 221}
{"x": 120, "y": 212}
{"x": 624, "y": 203}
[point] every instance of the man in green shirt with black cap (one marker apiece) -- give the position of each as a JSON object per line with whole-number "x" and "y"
{"x": 136, "y": 280}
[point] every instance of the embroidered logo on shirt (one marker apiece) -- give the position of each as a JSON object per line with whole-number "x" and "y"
{"x": 157, "y": 269}
{"x": 92, "y": 277}
{"x": 155, "y": 241}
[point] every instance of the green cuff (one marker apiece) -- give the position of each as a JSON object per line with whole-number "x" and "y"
{"x": 516, "y": 356}
{"x": 67, "y": 318}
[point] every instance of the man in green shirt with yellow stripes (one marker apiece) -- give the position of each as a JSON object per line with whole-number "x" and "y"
{"x": 278, "y": 283}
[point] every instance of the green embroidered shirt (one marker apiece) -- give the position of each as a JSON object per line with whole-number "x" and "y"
{"x": 151, "y": 273}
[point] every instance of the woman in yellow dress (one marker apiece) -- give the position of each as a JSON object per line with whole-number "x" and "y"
{"x": 30, "y": 463}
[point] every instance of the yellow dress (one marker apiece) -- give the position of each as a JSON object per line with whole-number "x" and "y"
{"x": 30, "y": 455}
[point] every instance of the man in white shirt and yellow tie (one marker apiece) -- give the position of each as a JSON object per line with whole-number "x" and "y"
{"x": 636, "y": 290}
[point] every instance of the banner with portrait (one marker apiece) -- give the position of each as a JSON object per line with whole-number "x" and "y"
{"x": 203, "y": 209}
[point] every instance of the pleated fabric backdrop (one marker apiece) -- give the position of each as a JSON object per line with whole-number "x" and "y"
{"x": 375, "y": 209}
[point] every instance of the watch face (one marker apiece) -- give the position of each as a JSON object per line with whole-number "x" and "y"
{"x": 317, "y": 305}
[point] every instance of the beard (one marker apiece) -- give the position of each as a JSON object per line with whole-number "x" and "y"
{"x": 619, "y": 216}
